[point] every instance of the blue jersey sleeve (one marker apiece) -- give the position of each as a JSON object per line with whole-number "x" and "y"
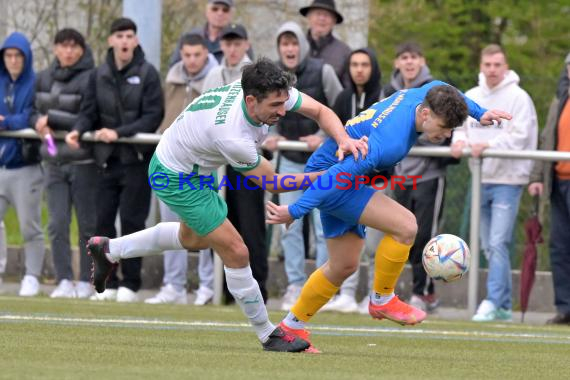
{"x": 475, "y": 110}
{"x": 333, "y": 180}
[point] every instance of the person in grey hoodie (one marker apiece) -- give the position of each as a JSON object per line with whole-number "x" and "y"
{"x": 426, "y": 199}
{"x": 318, "y": 80}
{"x": 184, "y": 83}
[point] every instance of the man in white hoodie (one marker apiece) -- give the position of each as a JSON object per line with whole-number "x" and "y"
{"x": 503, "y": 179}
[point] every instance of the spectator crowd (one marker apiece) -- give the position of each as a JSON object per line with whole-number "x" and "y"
{"x": 105, "y": 183}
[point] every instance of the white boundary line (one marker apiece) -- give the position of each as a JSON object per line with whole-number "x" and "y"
{"x": 336, "y": 330}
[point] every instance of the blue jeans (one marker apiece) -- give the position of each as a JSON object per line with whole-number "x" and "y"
{"x": 292, "y": 239}
{"x": 499, "y": 208}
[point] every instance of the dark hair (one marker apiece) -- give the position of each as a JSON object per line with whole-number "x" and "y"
{"x": 69, "y": 34}
{"x": 447, "y": 103}
{"x": 192, "y": 39}
{"x": 122, "y": 24}
{"x": 409, "y": 47}
{"x": 264, "y": 77}
{"x": 287, "y": 33}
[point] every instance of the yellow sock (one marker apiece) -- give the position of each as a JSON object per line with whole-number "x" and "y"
{"x": 315, "y": 294}
{"x": 391, "y": 256}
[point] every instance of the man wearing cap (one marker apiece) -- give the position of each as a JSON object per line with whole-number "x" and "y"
{"x": 553, "y": 180}
{"x": 219, "y": 14}
{"x": 322, "y": 17}
{"x": 234, "y": 46}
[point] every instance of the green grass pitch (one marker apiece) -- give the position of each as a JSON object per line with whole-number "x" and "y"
{"x": 72, "y": 339}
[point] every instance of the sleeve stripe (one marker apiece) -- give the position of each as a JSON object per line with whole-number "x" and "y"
{"x": 297, "y": 103}
{"x": 247, "y": 168}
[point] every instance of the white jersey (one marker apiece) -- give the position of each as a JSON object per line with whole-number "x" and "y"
{"x": 215, "y": 130}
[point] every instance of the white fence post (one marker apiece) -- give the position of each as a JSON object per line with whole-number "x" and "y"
{"x": 474, "y": 234}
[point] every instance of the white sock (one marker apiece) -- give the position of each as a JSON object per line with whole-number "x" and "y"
{"x": 379, "y": 299}
{"x": 149, "y": 242}
{"x": 292, "y": 322}
{"x": 245, "y": 290}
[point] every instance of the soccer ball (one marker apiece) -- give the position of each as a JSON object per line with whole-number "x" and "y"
{"x": 446, "y": 257}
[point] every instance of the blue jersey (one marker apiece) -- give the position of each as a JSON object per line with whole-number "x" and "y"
{"x": 391, "y": 129}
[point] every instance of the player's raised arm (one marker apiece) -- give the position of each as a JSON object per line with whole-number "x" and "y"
{"x": 332, "y": 125}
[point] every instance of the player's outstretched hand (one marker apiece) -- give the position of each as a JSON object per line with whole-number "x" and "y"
{"x": 353, "y": 146}
{"x": 494, "y": 116}
{"x": 278, "y": 214}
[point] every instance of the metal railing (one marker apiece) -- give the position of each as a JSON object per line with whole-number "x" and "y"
{"x": 472, "y": 297}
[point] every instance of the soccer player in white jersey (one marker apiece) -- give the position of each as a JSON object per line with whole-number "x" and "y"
{"x": 225, "y": 125}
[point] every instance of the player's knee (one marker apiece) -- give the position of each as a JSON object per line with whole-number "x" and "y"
{"x": 345, "y": 270}
{"x": 238, "y": 254}
{"x": 190, "y": 241}
{"x": 408, "y": 230}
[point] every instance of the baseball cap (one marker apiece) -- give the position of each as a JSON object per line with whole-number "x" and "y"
{"x": 229, "y": 3}
{"x": 236, "y": 30}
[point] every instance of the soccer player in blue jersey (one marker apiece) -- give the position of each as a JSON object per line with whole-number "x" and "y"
{"x": 347, "y": 206}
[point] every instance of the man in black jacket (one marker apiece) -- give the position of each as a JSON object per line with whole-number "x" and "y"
{"x": 124, "y": 97}
{"x": 364, "y": 90}
{"x": 70, "y": 174}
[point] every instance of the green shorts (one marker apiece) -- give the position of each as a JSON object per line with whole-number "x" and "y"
{"x": 192, "y": 199}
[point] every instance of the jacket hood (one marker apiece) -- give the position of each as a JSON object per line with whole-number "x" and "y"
{"x": 397, "y": 81}
{"x": 20, "y": 42}
{"x": 293, "y": 27}
{"x": 373, "y": 86}
{"x": 178, "y": 75}
{"x": 86, "y": 62}
{"x": 510, "y": 78}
